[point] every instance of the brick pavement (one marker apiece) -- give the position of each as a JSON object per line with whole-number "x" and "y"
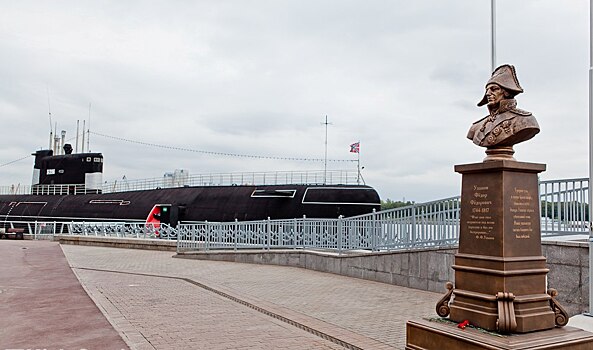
{"x": 359, "y": 311}
{"x": 163, "y": 313}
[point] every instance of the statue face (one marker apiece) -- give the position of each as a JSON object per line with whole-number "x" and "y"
{"x": 494, "y": 94}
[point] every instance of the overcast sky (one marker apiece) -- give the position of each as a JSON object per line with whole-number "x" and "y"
{"x": 258, "y": 77}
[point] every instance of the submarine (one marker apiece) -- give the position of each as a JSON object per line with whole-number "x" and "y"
{"x": 69, "y": 187}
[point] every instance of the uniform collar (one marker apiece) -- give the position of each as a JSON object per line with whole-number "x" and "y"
{"x": 504, "y": 106}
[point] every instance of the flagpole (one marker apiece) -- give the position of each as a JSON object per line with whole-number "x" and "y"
{"x": 358, "y": 163}
{"x": 493, "y": 33}
{"x": 325, "y": 159}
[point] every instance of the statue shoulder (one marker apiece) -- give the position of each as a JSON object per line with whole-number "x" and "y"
{"x": 475, "y": 128}
{"x": 520, "y": 112}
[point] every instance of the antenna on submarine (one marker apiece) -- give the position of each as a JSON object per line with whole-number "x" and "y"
{"x": 88, "y": 139}
{"x": 56, "y": 140}
{"x": 51, "y": 136}
{"x": 77, "y": 132}
{"x": 83, "y": 128}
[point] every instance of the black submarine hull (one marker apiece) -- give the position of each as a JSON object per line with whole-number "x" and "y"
{"x": 204, "y": 203}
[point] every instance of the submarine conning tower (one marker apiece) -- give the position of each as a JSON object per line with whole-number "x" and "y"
{"x": 67, "y": 173}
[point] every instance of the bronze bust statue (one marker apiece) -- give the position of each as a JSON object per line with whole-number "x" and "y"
{"x": 505, "y": 125}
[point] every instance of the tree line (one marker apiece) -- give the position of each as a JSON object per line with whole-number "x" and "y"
{"x": 574, "y": 211}
{"x": 390, "y": 204}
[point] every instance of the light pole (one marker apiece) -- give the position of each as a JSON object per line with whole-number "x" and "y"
{"x": 590, "y": 155}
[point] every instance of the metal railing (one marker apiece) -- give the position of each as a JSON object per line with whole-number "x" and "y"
{"x": 91, "y": 228}
{"x": 60, "y": 190}
{"x": 564, "y": 207}
{"x": 564, "y": 211}
{"x": 333, "y": 177}
{"x": 313, "y": 177}
{"x": 419, "y": 225}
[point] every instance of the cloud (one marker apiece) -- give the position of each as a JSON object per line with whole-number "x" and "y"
{"x": 259, "y": 77}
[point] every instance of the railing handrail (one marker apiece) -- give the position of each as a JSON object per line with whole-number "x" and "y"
{"x": 578, "y": 179}
{"x": 283, "y": 177}
{"x": 429, "y": 224}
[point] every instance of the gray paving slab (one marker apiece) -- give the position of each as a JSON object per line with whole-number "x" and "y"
{"x": 367, "y": 314}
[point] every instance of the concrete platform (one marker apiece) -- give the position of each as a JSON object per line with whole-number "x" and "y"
{"x": 169, "y": 303}
{"x": 584, "y": 322}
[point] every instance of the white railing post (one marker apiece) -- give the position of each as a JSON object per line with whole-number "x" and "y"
{"x": 268, "y": 232}
{"x": 193, "y": 242}
{"x": 305, "y": 232}
{"x": 340, "y": 223}
{"x": 374, "y": 230}
{"x": 236, "y": 225}
{"x": 206, "y": 236}
{"x": 413, "y": 233}
{"x": 294, "y": 233}
{"x": 179, "y": 240}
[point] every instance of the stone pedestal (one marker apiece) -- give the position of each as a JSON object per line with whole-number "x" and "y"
{"x": 500, "y": 273}
{"x": 500, "y": 249}
{"x": 424, "y": 335}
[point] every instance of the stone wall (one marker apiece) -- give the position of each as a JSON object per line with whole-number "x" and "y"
{"x": 115, "y": 242}
{"x": 426, "y": 269}
{"x": 569, "y": 274}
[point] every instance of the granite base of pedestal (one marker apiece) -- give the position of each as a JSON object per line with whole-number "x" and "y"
{"x": 483, "y": 276}
{"x": 431, "y": 335}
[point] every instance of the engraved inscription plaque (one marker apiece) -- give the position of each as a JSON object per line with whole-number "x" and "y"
{"x": 521, "y": 212}
{"x": 481, "y": 223}
{"x": 521, "y": 209}
{"x": 480, "y": 226}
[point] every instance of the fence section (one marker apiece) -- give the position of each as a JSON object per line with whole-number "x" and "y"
{"x": 266, "y": 234}
{"x": 564, "y": 211}
{"x": 420, "y": 225}
{"x": 564, "y": 206}
{"x": 90, "y": 228}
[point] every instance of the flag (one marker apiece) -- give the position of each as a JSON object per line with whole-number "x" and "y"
{"x": 355, "y": 147}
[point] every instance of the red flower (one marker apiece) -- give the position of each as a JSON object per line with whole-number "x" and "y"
{"x": 463, "y": 324}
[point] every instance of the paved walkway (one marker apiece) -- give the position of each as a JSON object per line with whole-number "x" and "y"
{"x": 155, "y": 301}
{"x": 158, "y": 301}
{"x": 43, "y": 306}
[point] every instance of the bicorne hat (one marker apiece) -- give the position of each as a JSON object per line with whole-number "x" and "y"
{"x": 506, "y": 77}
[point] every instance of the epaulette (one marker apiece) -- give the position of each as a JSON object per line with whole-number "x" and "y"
{"x": 520, "y": 112}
